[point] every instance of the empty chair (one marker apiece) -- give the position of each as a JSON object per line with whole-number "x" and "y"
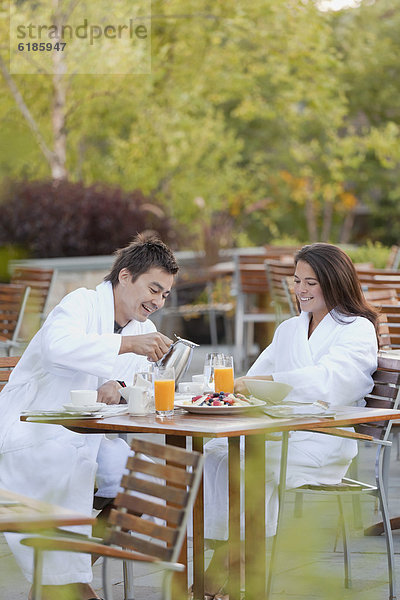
{"x": 13, "y": 300}
{"x": 384, "y": 295}
{"x": 196, "y": 294}
{"x": 167, "y": 491}
{"x": 41, "y": 282}
{"x": 252, "y": 303}
{"x": 278, "y": 272}
{"x": 384, "y": 394}
{"x": 7, "y": 363}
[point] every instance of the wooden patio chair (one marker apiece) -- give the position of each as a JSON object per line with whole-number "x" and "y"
{"x": 7, "y": 363}
{"x": 13, "y": 301}
{"x": 278, "y": 271}
{"x": 384, "y": 295}
{"x": 377, "y": 279}
{"x": 41, "y": 282}
{"x": 385, "y": 394}
{"x": 250, "y": 286}
{"x": 170, "y": 488}
{"x": 194, "y": 295}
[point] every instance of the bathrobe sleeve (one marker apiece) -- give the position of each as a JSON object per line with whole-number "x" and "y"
{"x": 334, "y": 365}
{"x": 71, "y": 342}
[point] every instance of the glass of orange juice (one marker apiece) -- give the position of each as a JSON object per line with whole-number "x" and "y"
{"x": 164, "y": 391}
{"x": 223, "y": 374}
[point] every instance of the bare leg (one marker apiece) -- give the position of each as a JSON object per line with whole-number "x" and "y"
{"x": 216, "y": 574}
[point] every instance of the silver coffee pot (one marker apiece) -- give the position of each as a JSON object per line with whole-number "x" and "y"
{"x": 178, "y": 356}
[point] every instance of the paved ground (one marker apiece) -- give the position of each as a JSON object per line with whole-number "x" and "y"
{"x": 309, "y": 567}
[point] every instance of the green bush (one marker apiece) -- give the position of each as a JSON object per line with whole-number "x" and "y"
{"x": 372, "y": 252}
{"x": 51, "y": 219}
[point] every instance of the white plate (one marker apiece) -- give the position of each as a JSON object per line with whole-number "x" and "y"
{"x": 84, "y": 407}
{"x": 220, "y": 410}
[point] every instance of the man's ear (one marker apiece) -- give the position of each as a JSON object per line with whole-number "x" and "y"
{"x": 124, "y": 276}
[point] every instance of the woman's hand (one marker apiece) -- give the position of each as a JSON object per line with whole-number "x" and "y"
{"x": 240, "y": 386}
{"x": 108, "y": 392}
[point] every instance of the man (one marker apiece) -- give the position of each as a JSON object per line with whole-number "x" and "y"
{"x": 93, "y": 339}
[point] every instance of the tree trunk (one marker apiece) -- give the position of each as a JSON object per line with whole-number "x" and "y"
{"x": 58, "y": 165}
{"x": 311, "y": 218}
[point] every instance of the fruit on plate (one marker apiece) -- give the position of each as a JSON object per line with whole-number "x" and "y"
{"x": 220, "y": 399}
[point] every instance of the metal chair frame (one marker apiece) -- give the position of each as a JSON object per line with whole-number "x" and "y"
{"x": 386, "y": 389}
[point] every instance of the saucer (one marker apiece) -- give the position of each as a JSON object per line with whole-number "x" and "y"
{"x": 85, "y": 407}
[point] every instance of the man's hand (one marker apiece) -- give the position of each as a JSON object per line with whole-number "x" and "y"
{"x": 153, "y": 345}
{"x": 108, "y": 392}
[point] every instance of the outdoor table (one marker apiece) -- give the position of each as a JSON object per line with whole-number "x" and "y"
{"x": 22, "y": 514}
{"x": 254, "y": 426}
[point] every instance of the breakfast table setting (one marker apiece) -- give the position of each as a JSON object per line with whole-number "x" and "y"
{"x": 190, "y": 412}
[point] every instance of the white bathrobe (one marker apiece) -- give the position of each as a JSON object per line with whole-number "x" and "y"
{"x": 75, "y": 349}
{"x": 335, "y": 365}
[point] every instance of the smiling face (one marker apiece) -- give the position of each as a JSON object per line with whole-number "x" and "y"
{"x": 142, "y": 297}
{"x": 308, "y": 291}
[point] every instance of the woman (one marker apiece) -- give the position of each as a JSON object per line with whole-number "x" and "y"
{"x": 329, "y": 353}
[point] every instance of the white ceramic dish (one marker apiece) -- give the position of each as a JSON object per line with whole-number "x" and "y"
{"x": 220, "y": 410}
{"x": 271, "y": 392}
{"x": 84, "y": 407}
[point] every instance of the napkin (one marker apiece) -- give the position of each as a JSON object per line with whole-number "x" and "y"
{"x": 287, "y": 411}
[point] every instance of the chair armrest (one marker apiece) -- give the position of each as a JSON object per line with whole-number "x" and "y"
{"x": 348, "y": 434}
{"x": 87, "y": 546}
{"x": 342, "y": 433}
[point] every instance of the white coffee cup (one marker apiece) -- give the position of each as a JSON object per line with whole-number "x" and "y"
{"x": 83, "y": 397}
{"x": 137, "y": 401}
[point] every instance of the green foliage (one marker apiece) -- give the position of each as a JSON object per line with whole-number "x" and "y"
{"x": 50, "y": 219}
{"x": 259, "y": 120}
{"x": 371, "y": 252}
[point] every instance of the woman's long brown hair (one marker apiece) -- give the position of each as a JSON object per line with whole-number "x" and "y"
{"x": 338, "y": 279}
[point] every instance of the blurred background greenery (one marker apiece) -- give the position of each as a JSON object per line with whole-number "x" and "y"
{"x": 260, "y": 121}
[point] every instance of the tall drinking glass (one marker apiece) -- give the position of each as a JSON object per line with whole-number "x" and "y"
{"x": 223, "y": 374}
{"x": 209, "y": 362}
{"x": 164, "y": 391}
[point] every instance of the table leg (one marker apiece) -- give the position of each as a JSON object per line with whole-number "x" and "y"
{"x": 234, "y": 517}
{"x": 255, "y": 543}
{"x": 198, "y": 534}
{"x": 179, "y": 580}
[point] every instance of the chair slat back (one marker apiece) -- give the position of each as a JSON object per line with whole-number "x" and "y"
{"x": 40, "y": 282}
{"x": 250, "y": 276}
{"x": 386, "y": 296}
{"x": 167, "y": 485}
{"x": 277, "y": 273}
{"x": 7, "y": 363}
{"x": 13, "y": 298}
{"x": 390, "y": 319}
{"x": 385, "y": 394}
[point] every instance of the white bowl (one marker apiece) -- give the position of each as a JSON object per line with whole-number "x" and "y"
{"x": 271, "y": 392}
